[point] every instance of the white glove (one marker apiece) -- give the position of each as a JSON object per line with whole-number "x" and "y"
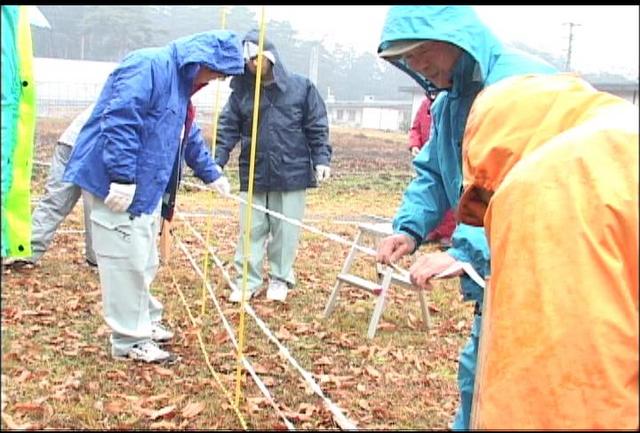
{"x": 120, "y": 196}
{"x": 221, "y": 185}
{"x": 322, "y": 172}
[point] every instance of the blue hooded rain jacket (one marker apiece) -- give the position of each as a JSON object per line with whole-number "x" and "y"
{"x": 133, "y": 134}
{"x": 437, "y": 186}
{"x": 293, "y": 129}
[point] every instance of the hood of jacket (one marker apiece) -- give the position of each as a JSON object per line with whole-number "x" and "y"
{"x": 557, "y": 107}
{"x": 280, "y": 74}
{"x": 219, "y": 50}
{"x": 458, "y": 25}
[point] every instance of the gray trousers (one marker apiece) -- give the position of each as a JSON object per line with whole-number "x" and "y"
{"x": 58, "y": 201}
{"x": 127, "y": 253}
{"x": 279, "y": 237}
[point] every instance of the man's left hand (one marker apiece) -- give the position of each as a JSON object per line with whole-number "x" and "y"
{"x": 322, "y": 172}
{"x": 429, "y": 265}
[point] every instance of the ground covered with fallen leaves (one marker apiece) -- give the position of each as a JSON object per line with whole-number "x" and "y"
{"x": 57, "y": 372}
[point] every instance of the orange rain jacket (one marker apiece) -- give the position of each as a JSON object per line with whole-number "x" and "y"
{"x": 559, "y": 342}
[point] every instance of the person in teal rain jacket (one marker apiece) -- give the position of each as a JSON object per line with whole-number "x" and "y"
{"x": 128, "y": 157}
{"x": 446, "y": 48}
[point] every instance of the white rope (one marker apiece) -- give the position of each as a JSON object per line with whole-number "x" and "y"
{"x": 312, "y": 229}
{"x": 245, "y": 362}
{"x": 339, "y": 417}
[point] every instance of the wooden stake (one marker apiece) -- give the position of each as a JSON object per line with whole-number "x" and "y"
{"x": 166, "y": 235}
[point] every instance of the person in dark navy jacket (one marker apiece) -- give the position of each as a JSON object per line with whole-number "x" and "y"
{"x": 292, "y": 154}
{"x": 128, "y": 156}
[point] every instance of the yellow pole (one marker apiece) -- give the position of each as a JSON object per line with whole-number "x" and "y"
{"x": 216, "y": 108}
{"x": 248, "y": 214}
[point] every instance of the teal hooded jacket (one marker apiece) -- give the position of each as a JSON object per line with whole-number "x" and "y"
{"x": 438, "y": 183}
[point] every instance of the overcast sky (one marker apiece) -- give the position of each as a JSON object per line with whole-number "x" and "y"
{"x": 606, "y": 38}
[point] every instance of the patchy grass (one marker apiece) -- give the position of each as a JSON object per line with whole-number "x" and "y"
{"x": 56, "y": 368}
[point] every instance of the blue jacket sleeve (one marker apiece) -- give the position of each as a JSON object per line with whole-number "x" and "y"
{"x": 229, "y": 130}
{"x": 122, "y": 118}
{"x": 316, "y": 127}
{"x": 424, "y": 201}
{"x": 470, "y": 245}
{"x": 197, "y": 156}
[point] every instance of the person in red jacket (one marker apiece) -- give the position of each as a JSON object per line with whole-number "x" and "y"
{"x": 418, "y": 137}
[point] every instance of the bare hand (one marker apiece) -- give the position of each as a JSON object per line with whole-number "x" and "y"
{"x": 427, "y": 266}
{"x": 394, "y": 247}
{"x": 415, "y": 151}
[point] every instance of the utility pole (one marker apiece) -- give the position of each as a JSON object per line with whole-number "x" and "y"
{"x": 571, "y": 26}
{"x": 313, "y": 64}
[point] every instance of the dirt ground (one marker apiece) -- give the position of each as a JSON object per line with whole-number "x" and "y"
{"x": 57, "y": 372}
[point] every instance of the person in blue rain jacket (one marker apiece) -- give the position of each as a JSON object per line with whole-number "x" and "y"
{"x": 128, "y": 158}
{"x": 447, "y": 48}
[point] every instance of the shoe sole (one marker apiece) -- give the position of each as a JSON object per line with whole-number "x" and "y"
{"x": 20, "y": 265}
{"x": 172, "y": 359}
{"x": 162, "y": 342}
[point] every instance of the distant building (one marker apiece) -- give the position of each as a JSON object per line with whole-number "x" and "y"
{"x": 371, "y": 114}
{"x": 628, "y": 91}
{"x": 625, "y": 90}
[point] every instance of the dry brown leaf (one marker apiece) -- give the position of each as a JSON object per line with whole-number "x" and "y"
{"x": 164, "y": 412}
{"x": 27, "y": 407}
{"x": 307, "y": 409}
{"x": 268, "y": 381}
{"x": 142, "y": 411}
{"x": 192, "y": 409}
{"x": 325, "y": 360}
{"x": 397, "y": 354}
{"x": 284, "y": 334}
{"x": 372, "y": 371}
{"x": 221, "y": 337}
{"x": 260, "y": 369}
{"x": 71, "y": 334}
{"x": 364, "y": 404}
{"x": 114, "y": 407}
{"x": 156, "y": 397}
{"x": 12, "y": 425}
{"x": 146, "y": 376}
{"x": 255, "y": 403}
{"x": 162, "y": 425}
{"x": 163, "y": 371}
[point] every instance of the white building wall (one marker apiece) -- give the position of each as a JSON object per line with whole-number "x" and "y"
{"x": 64, "y": 87}
{"x": 380, "y": 118}
{"x": 415, "y": 104}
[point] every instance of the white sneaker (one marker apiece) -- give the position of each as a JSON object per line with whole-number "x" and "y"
{"x": 159, "y": 333}
{"x": 148, "y": 351}
{"x": 277, "y": 290}
{"x": 236, "y": 295}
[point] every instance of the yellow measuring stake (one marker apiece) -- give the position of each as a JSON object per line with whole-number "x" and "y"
{"x": 213, "y": 154}
{"x": 249, "y": 213}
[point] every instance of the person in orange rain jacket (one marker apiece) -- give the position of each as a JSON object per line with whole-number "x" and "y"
{"x": 556, "y": 188}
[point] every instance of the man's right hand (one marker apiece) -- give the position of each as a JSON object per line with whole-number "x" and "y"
{"x": 415, "y": 151}
{"x": 222, "y": 186}
{"x": 395, "y": 247}
{"x": 120, "y": 196}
